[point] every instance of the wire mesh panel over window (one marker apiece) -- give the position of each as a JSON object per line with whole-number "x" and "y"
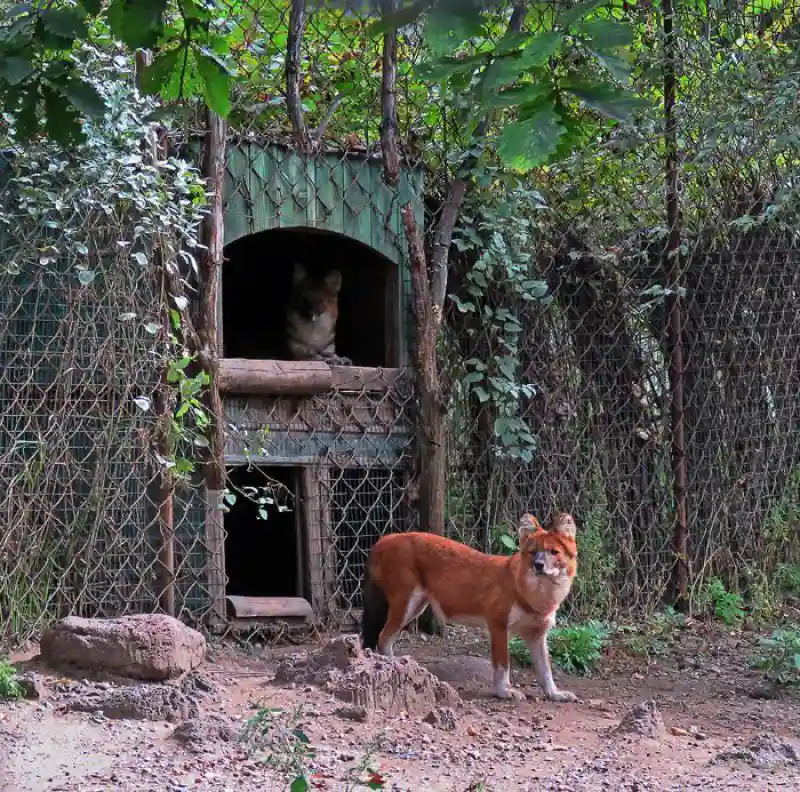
{"x": 365, "y": 504}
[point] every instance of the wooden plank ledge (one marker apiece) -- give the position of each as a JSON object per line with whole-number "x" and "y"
{"x": 239, "y": 607}
{"x": 274, "y": 377}
{"x": 300, "y": 378}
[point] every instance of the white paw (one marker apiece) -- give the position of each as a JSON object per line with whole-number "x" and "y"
{"x": 561, "y": 696}
{"x": 510, "y": 694}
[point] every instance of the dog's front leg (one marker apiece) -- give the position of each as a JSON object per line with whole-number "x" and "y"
{"x": 537, "y": 645}
{"x": 501, "y": 664}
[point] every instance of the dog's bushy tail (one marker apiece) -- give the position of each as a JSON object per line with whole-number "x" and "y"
{"x": 376, "y": 609}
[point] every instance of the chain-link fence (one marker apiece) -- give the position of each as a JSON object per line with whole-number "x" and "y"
{"x": 606, "y": 351}
{"x": 624, "y": 432}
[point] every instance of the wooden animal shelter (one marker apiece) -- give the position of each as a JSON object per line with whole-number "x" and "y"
{"x": 334, "y": 440}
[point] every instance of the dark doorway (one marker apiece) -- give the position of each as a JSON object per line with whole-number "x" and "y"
{"x": 257, "y": 280}
{"x": 263, "y": 557}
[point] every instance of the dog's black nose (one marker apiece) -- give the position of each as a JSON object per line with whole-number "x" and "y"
{"x": 538, "y": 566}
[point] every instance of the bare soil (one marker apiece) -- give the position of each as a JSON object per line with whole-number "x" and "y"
{"x": 720, "y": 727}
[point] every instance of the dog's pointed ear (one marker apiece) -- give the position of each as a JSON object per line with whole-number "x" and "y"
{"x": 564, "y": 524}
{"x": 299, "y": 272}
{"x": 528, "y": 524}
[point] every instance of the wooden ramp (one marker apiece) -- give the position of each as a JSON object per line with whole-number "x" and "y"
{"x": 249, "y": 611}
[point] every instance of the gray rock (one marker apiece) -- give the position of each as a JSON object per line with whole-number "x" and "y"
{"x": 145, "y": 646}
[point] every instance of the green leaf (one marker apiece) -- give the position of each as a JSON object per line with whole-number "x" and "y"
{"x": 609, "y": 101}
{"x": 155, "y": 76}
{"x": 580, "y": 11}
{"x": 523, "y": 94}
{"x": 61, "y": 121}
{"x": 617, "y": 67}
{"x": 538, "y": 51}
{"x": 442, "y": 68}
{"x": 300, "y": 784}
{"x": 445, "y": 30}
{"x": 50, "y": 40}
{"x": 216, "y": 83}
{"x": 27, "y": 120}
{"x": 85, "y": 98}
{"x": 19, "y": 32}
{"x": 65, "y": 23}
{"x": 138, "y": 23}
{"x": 508, "y": 541}
{"x": 531, "y": 141}
{"x": 606, "y": 34}
{"x": 15, "y": 69}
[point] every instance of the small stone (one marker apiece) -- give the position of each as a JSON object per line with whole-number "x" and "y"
{"x": 642, "y": 720}
{"x": 678, "y": 731}
{"x": 354, "y": 713}
{"x": 442, "y": 718}
{"x": 32, "y": 685}
{"x": 472, "y": 731}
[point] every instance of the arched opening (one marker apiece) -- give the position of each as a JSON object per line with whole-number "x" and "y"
{"x": 257, "y": 283}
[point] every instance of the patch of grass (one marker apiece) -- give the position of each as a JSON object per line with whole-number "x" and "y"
{"x": 725, "y": 605}
{"x": 276, "y": 733}
{"x": 787, "y": 579}
{"x": 653, "y": 637}
{"x": 10, "y": 687}
{"x": 575, "y": 650}
{"x": 779, "y": 657}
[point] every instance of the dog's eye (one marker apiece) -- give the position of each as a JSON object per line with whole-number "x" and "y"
{"x": 554, "y": 552}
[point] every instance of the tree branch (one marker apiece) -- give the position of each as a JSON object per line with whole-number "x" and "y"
{"x": 297, "y": 29}
{"x": 323, "y": 125}
{"x": 389, "y": 145}
{"x": 443, "y": 233}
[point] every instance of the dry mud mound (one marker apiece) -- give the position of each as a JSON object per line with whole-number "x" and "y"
{"x": 764, "y": 751}
{"x": 642, "y": 720}
{"x": 152, "y": 702}
{"x": 371, "y": 681}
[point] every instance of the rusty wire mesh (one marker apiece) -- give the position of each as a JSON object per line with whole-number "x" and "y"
{"x": 78, "y": 474}
{"x": 596, "y": 352}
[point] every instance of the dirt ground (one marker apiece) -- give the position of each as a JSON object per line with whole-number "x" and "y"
{"x": 712, "y": 705}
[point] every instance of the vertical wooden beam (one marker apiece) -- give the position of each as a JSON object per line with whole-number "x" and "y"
{"x": 316, "y": 510}
{"x": 208, "y": 355}
{"x": 674, "y": 330}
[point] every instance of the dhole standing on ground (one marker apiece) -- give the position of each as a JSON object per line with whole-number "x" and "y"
{"x": 519, "y": 594}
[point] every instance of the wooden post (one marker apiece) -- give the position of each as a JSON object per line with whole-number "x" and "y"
{"x": 674, "y": 330}
{"x": 431, "y": 425}
{"x": 208, "y": 355}
{"x": 316, "y": 511}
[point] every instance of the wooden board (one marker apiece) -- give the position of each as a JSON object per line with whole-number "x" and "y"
{"x": 300, "y": 378}
{"x": 267, "y": 607}
{"x": 274, "y": 377}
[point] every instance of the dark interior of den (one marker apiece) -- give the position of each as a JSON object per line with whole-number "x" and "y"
{"x": 257, "y": 281}
{"x": 263, "y": 557}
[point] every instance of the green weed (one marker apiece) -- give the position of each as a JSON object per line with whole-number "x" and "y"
{"x": 10, "y": 687}
{"x": 787, "y": 579}
{"x": 779, "y": 657}
{"x": 725, "y": 605}
{"x": 575, "y": 650}
{"x": 653, "y": 637}
{"x": 275, "y": 733}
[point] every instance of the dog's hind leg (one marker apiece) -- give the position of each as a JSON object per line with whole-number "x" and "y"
{"x": 376, "y": 611}
{"x": 400, "y": 614}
